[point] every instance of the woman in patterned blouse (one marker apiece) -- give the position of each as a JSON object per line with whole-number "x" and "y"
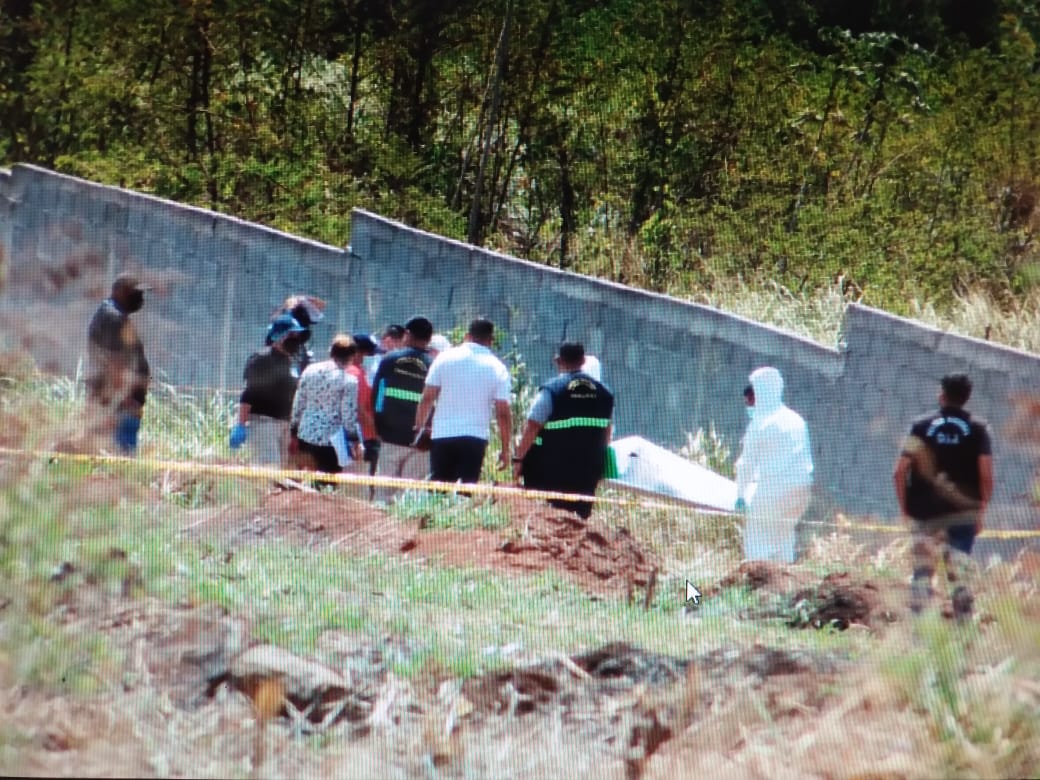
{"x": 327, "y": 401}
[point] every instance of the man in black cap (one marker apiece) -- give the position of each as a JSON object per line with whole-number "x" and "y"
{"x": 564, "y": 444}
{"x": 117, "y": 372}
{"x": 266, "y": 403}
{"x": 943, "y": 483}
{"x": 307, "y": 310}
{"x": 396, "y": 391}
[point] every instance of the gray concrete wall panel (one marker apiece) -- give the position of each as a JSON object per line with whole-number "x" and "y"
{"x": 675, "y": 366}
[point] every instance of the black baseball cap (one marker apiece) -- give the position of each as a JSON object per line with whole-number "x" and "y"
{"x": 129, "y": 283}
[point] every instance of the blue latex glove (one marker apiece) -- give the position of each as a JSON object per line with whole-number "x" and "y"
{"x": 127, "y": 427}
{"x": 740, "y": 506}
{"x": 238, "y": 437}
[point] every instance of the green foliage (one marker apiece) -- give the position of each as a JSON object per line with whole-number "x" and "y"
{"x": 708, "y": 449}
{"x": 659, "y": 144}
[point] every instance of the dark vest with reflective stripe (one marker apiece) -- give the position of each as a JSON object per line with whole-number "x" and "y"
{"x": 570, "y": 451}
{"x": 396, "y": 390}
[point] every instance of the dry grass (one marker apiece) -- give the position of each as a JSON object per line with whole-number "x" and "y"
{"x": 81, "y": 695}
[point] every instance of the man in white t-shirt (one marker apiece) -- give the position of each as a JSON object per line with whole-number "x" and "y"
{"x": 462, "y": 387}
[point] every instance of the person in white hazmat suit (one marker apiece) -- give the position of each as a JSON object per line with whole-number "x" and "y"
{"x": 774, "y": 471}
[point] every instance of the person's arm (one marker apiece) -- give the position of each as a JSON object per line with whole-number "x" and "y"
{"x": 300, "y": 401}
{"x": 899, "y": 478}
{"x": 985, "y": 489}
{"x": 531, "y": 430}
{"x": 348, "y": 414}
{"x": 366, "y": 416}
{"x": 243, "y": 412}
{"x": 430, "y": 394}
{"x": 746, "y": 466}
{"x": 504, "y": 416}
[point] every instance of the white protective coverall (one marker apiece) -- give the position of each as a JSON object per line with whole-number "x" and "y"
{"x": 774, "y": 471}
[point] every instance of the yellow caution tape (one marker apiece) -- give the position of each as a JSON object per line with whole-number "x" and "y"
{"x": 357, "y": 480}
{"x": 480, "y": 489}
{"x": 987, "y": 533}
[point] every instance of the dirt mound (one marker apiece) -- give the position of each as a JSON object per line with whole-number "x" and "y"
{"x": 588, "y": 550}
{"x": 840, "y": 601}
{"x": 597, "y": 558}
{"x": 619, "y": 659}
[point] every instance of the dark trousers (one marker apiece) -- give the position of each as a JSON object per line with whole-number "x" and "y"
{"x": 538, "y": 476}
{"x": 323, "y": 458}
{"x": 457, "y": 458}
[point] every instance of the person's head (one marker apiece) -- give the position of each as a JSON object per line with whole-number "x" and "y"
{"x": 417, "y": 332}
{"x": 569, "y": 356}
{"x": 366, "y": 347}
{"x": 438, "y": 343}
{"x": 956, "y": 390}
{"x": 343, "y": 349}
{"x": 284, "y": 333}
{"x": 767, "y": 385}
{"x": 305, "y": 309}
{"x": 392, "y": 337}
{"x": 749, "y": 395}
{"x": 128, "y": 293}
{"x": 481, "y": 331}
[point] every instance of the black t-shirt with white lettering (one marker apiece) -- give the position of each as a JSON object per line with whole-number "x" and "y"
{"x": 952, "y": 443}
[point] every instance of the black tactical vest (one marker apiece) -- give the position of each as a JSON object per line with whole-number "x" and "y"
{"x": 570, "y": 451}
{"x": 396, "y": 390}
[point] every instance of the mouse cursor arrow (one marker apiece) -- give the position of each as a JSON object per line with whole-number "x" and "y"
{"x": 692, "y": 594}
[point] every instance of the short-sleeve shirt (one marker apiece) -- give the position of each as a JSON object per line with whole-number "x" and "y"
{"x": 364, "y": 399}
{"x": 326, "y": 400}
{"x": 270, "y": 384}
{"x": 953, "y": 443}
{"x": 470, "y": 379}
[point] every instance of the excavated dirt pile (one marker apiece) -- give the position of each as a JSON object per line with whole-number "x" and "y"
{"x": 595, "y": 557}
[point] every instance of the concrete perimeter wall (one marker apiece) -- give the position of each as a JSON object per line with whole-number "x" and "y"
{"x": 674, "y": 366}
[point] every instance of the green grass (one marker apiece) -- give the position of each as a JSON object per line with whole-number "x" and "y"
{"x": 447, "y": 510}
{"x": 457, "y": 619}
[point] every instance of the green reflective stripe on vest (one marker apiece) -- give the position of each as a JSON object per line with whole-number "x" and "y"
{"x": 403, "y": 395}
{"x": 577, "y": 422}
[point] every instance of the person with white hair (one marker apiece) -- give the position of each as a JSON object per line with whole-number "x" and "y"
{"x": 774, "y": 471}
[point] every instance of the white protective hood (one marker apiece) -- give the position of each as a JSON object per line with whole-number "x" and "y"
{"x": 776, "y": 453}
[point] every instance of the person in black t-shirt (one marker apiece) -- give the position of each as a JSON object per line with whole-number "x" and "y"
{"x": 396, "y": 391}
{"x": 943, "y": 482}
{"x": 266, "y": 402}
{"x": 564, "y": 444}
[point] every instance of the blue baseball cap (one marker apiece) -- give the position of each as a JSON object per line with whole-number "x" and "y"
{"x": 281, "y": 326}
{"x": 367, "y": 345}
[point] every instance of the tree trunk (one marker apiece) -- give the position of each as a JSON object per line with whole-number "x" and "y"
{"x": 474, "y": 232}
